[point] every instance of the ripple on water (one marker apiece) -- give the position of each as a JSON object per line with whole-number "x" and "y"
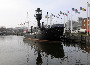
{"x": 15, "y": 50}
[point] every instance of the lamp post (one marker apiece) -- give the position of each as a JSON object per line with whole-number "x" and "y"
{"x": 38, "y": 16}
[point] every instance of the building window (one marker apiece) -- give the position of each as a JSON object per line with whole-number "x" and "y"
{"x": 84, "y": 24}
{"x": 84, "y": 20}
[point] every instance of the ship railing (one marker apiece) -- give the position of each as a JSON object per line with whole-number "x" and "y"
{"x": 32, "y": 33}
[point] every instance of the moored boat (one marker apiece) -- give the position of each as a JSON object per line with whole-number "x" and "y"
{"x": 50, "y": 32}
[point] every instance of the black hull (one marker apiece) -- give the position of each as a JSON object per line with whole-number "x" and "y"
{"x": 52, "y": 34}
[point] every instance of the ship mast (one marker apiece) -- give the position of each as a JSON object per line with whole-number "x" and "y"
{"x": 47, "y": 19}
{"x": 27, "y": 21}
{"x": 38, "y": 16}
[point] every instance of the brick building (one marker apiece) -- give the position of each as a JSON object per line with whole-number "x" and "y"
{"x": 84, "y": 23}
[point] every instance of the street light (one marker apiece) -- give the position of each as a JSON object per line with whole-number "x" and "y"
{"x": 38, "y": 16}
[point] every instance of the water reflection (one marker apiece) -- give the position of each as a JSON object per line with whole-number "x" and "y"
{"x": 66, "y": 53}
{"x": 15, "y": 50}
{"x": 85, "y": 47}
{"x": 78, "y": 53}
{"x": 46, "y": 49}
{"x": 39, "y": 59}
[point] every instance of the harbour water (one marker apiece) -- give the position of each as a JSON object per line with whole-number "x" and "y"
{"x": 15, "y": 50}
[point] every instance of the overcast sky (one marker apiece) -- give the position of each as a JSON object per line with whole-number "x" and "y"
{"x": 14, "y": 12}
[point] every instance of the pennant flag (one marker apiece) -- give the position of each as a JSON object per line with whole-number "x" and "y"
{"x": 80, "y": 8}
{"x": 88, "y": 5}
{"x": 84, "y": 9}
{"x": 63, "y": 13}
{"x": 68, "y": 12}
{"x": 46, "y": 16}
{"x": 21, "y": 24}
{"x": 76, "y": 10}
{"x": 60, "y": 12}
{"x": 52, "y": 15}
{"x": 57, "y": 16}
{"x": 73, "y": 9}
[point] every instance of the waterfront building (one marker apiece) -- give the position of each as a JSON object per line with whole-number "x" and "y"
{"x": 2, "y": 30}
{"x": 10, "y": 31}
{"x": 84, "y": 23}
{"x": 80, "y": 23}
{"x": 74, "y": 25}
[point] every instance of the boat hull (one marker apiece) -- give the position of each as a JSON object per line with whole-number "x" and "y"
{"x": 52, "y": 34}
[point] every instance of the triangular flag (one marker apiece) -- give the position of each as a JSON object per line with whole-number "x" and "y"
{"x": 80, "y": 8}
{"x": 84, "y": 9}
{"x": 78, "y": 12}
{"x": 46, "y": 16}
{"x": 63, "y": 13}
{"x": 73, "y": 9}
{"x": 57, "y": 16}
{"x": 68, "y": 12}
{"x": 60, "y": 12}
{"x": 52, "y": 14}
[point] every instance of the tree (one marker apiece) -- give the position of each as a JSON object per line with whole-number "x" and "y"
{"x": 3, "y": 29}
